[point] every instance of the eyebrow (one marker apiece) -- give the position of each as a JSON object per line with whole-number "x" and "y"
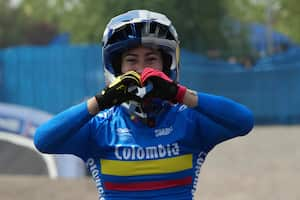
{"x": 147, "y": 54}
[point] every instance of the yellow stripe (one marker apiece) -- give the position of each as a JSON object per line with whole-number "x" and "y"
{"x": 146, "y": 167}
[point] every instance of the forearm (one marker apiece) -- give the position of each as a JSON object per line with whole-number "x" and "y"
{"x": 190, "y": 98}
{"x": 92, "y": 105}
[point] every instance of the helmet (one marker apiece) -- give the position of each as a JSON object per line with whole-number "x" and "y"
{"x": 139, "y": 28}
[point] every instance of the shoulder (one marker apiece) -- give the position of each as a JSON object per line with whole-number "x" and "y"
{"x": 106, "y": 115}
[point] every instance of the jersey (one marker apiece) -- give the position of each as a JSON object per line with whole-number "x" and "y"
{"x": 130, "y": 160}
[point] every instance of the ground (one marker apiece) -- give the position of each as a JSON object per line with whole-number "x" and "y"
{"x": 263, "y": 165}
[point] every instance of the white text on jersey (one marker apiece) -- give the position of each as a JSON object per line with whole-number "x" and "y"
{"x": 146, "y": 153}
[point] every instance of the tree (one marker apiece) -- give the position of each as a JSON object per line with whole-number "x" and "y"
{"x": 10, "y": 31}
{"x": 39, "y": 33}
{"x": 284, "y": 14}
{"x": 17, "y": 28}
{"x": 287, "y": 16}
{"x": 197, "y": 21}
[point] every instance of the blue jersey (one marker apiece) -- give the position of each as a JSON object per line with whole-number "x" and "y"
{"x": 130, "y": 160}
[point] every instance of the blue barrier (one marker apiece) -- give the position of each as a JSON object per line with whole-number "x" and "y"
{"x": 1, "y": 77}
{"x": 55, "y": 77}
{"x": 51, "y": 78}
{"x": 273, "y": 96}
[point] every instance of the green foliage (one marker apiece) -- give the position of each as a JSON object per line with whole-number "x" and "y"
{"x": 18, "y": 28}
{"x": 9, "y": 30}
{"x": 284, "y": 14}
{"x": 197, "y": 21}
{"x": 202, "y": 25}
{"x": 287, "y": 18}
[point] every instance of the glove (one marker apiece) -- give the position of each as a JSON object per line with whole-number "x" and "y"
{"x": 118, "y": 91}
{"x": 163, "y": 87}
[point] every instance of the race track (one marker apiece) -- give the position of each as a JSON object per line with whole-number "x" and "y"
{"x": 263, "y": 165}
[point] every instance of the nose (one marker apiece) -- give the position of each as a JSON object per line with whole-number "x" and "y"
{"x": 139, "y": 68}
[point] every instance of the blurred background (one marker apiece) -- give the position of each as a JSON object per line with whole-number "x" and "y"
{"x": 247, "y": 50}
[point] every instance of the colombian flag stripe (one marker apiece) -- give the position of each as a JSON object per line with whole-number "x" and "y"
{"x": 149, "y": 185}
{"x": 146, "y": 167}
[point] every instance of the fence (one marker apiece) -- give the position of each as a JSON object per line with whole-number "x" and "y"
{"x": 51, "y": 78}
{"x": 56, "y": 77}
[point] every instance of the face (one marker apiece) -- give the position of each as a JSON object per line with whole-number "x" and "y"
{"x": 138, "y": 58}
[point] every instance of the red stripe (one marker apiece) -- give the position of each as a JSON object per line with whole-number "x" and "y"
{"x": 149, "y": 185}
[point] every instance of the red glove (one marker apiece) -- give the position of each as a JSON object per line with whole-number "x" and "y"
{"x": 163, "y": 87}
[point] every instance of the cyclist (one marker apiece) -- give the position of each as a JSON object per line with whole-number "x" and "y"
{"x": 144, "y": 136}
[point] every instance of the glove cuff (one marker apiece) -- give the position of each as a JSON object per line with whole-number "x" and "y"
{"x": 180, "y": 94}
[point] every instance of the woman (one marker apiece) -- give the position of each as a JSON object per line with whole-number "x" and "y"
{"x": 144, "y": 136}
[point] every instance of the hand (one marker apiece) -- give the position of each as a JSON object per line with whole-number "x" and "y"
{"x": 117, "y": 92}
{"x": 163, "y": 86}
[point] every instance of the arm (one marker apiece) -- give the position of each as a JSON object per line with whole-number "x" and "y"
{"x": 92, "y": 106}
{"x": 219, "y": 118}
{"x": 216, "y": 118}
{"x": 67, "y": 132}
{"x": 190, "y": 98}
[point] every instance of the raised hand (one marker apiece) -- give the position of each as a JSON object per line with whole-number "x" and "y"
{"x": 163, "y": 86}
{"x": 118, "y": 91}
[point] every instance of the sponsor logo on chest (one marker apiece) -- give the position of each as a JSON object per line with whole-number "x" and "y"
{"x": 123, "y": 131}
{"x": 163, "y": 131}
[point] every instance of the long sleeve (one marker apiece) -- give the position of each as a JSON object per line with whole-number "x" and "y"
{"x": 66, "y": 133}
{"x": 221, "y": 119}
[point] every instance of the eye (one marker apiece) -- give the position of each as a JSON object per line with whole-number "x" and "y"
{"x": 152, "y": 58}
{"x": 130, "y": 59}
